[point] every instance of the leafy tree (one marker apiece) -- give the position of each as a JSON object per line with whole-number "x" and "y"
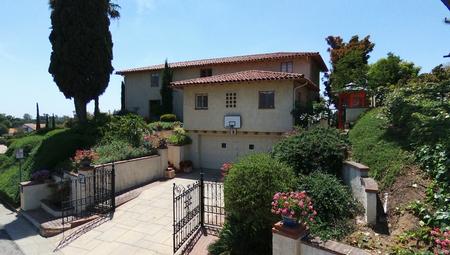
{"x": 348, "y": 62}
{"x": 389, "y": 71}
{"x": 3, "y": 129}
{"x": 166, "y": 90}
{"x": 438, "y": 74}
{"x": 27, "y": 117}
{"x": 82, "y": 49}
{"x": 38, "y": 118}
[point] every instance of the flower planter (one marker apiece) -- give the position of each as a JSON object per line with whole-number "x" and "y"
{"x": 290, "y": 222}
{"x": 170, "y": 173}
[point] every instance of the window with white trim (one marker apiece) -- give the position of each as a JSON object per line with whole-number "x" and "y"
{"x": 287, "y": 67}
{"x": 201, "y": 101}
{"x": 266, "y": 99}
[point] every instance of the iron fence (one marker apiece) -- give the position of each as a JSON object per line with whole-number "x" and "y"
{"x": 85, "y": 195}
{"x": 195, "y": 207}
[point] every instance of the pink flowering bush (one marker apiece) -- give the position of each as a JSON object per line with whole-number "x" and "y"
{"x": 84, "y": 157}
{"x": 297, "y": 205}
{"x": 441, "y": 241}
{"x": 224, "y": 169}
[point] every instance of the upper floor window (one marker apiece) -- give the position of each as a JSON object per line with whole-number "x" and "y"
{"x": 266, "y": 99}
{"x": 287, "y": 67}
{"x": 154, "y": 82}
{"x": 230, "y": 100}
{"x": 205, "y": 72}
{"x": 201, "y": 101}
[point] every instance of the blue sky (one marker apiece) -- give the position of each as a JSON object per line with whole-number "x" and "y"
{"x": 150, "y": 31}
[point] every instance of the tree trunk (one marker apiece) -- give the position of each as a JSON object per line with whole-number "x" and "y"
{"x": 96, "y": 108}
{"x": 80, "y": 109}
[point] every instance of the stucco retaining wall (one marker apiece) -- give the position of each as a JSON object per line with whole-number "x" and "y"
{"x": 364, "y": 188}
{"x": 32, "y": 194}
{"x": 137, "y": 172}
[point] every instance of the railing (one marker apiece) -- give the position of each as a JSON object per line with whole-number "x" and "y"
{"x": 195, "y": 207}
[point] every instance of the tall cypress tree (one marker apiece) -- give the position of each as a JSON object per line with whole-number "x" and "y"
{"x": 166, "y": 90}
{"x": 38, "y": 118}
{"x": 122, "y": 97}
{"x": 80, "y": 62}
{"x": 53, "y": 121}
{"x": 47, "y": 124}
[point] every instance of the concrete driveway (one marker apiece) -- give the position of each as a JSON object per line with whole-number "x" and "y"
{"x": 140, "y": 226}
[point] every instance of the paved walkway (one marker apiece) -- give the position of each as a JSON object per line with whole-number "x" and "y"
{"x": 140, "y": 226}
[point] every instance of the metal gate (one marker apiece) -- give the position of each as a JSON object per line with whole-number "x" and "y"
{"x": 195, "y": 207}
{"x": 85, "y": 195}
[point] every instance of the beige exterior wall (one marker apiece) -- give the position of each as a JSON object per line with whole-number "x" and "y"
{"x": 206, "y": 150}
{"x": 138, "y": 91}
{"x": 253, "y": 119}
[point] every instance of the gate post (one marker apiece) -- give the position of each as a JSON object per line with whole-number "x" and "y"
{"x": 202, "y": 201}
{"x": 113, "y": 188}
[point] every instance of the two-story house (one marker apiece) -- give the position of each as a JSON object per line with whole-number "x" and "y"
{"x": 230, "y": 106}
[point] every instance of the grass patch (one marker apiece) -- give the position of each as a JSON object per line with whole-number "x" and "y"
{"x": 43, "y": 151}
{"x": 374, "y": 145}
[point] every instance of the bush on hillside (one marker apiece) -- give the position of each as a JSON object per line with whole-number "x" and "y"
{"x": 118, "y": 150}
{"x": 130, "y": 128}
{"x": 249, "y": 188}
{"x": 374, "y": 145}
{"x": 317, "y": 149}
{"x": 168, "y": 118}
{"x": 421, "y": 112}
{"x": 333, "y": 202}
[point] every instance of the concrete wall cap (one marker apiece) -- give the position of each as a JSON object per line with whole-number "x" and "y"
{"x": 360, "y": 166}
{"x": 370, "y": 185}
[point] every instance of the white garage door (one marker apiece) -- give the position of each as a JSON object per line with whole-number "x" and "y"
{"x": 218, "y": 149}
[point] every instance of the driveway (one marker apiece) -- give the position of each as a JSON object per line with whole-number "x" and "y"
{"x": 140, "y": 226}
{"x": 8, "y": 247}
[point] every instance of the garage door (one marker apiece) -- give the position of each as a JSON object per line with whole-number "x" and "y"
{"x": 218, "y": 149}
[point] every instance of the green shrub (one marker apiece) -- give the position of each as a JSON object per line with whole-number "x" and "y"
{"x": 168, "y": 118}
{"x": 333, "y": 202}
{"x": 3, "y": 141}
{"x": 120, "y": 150}
{"x": 179, "y": 137}
{"x": 374, "y": 145}
{"x": 130, "y": 127}
{"x": 248, "y": 191}
{"x": 159, "y": 125}
{"x": 27, "y": 143}
{"x": 321, "y": 149}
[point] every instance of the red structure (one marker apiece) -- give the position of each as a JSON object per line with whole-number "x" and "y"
{"x": 348, "y": 99}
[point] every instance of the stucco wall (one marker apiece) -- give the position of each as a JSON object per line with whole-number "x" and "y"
{"x": 138, "y": 91}
{"x": 31, "y": 195}
{"x": 206, "y": 149}
{"x": 364, "y": 189}
{"x": 136, "y": 172}
{"x": 253, "y": 119}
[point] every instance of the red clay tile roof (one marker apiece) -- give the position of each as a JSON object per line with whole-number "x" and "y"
{"x": 228, "y": 60}
{"x": 244, "y": 76}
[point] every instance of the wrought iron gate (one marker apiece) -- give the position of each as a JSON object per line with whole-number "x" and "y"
{"x": 198, "y": 206}
{"x": 86, "y": 195}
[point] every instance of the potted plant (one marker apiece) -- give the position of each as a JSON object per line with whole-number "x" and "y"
{"x": 83, "y": 159}
{"x": 170, "y": 171}
{"x": 186, "y": 166}
{"x": 294, "y": 207}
